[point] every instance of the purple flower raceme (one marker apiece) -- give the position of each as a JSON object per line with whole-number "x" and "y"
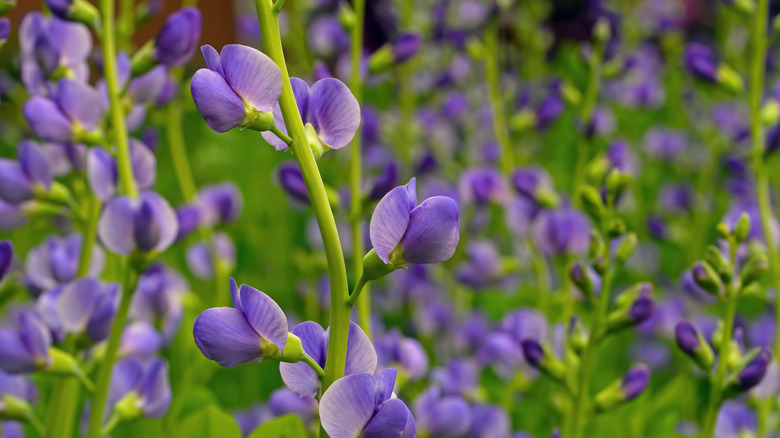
{"x": 158, "y": 298}
{"x": 85, "y": 306}
{"x": 403, "y": 232}
{"x": 442, "y": 415}
{"x": 361, "y": 405}
{"x": 55, "y": 262}
{"x": 25, "y": 347}
{"x": 330, "y": 113}
{"x": 71, "y": 114}
{"x": 254, "y": 329}
{"x": 147, "y": 223}
{"x": 301, "y": 378}
{"x": 139, "y": 389}
{"x": 239, "y": 88}
{"x": 482, "y": 186}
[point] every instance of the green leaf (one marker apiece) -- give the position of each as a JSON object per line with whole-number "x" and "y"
{"x": 208, "y": 422}
{"x": 289, "y": 426}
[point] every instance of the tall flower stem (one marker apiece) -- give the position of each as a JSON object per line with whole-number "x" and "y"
{"x": 355, "y": 168}
{"x": 126, "y": 187}
{"x": 175, "y": 136}
{"x": 103, "y": 381}
{"x": 337, "y": 270}
{"x": 493, "y": 77}
{"x": 586, "y": 114}
{"x": 576, "y": 421}
{"x": 66, "y": 391}
{"x": 406, "y": 93}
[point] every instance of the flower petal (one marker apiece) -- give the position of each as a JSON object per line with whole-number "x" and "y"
{"x": 165, "y": 216}
{"x": 389, "y": 222}
{"x": 334, "y": 112}
{"x": 115, "y": 227}
{"x": 144, "y": 165}
{"x": 361, "y": 354}
{"x": 302, "y": 96}
{"x": 155, "y": 390}
{"x": 252, "y": 75}
{"x": 347, "y": 406}
{"x": 15, "y": 187}
{"x": 390, "y": 421}
{"x": 34, "y": 163}
{"x": 223, "y": 335}
{"x": 76, "y": 304}
{"x": 217, "y": 102}
{"x": 235, "y": 295}
{"x": 386, "y": 385}
{"x": 47, "y": 121}
{"x": 433, "y": 231}
{"x": 299, "y": 377}
{"x": 102, "y": 173}
{"x": 80, "y": 102}
{"x": 264, "y": 315}
{"x": 213, "y": 62}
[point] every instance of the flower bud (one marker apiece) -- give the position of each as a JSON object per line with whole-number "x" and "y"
{"x": 602, "y": 31}
{"x": 80, "y": 11}
{"x": 626, "y": 248}
{"x": 742, "y": 228}
{"x": 578, "y": 335}
{"x": 755, "y": 268}
{"x": 632, "y": 308}
{"x": 579, "y": 276}
{"x": 536, "y": 355}
{"x": 692, "y": 343}
{"x": 718, "y": 261}
{"x": 706, "y": 278}
{"x": 751, "y": 373}
{"x": 374, "y": 268}
{"x": 629, "y": 387}
{"x": 591, "y": 203}
{"x": 597, "y": 245}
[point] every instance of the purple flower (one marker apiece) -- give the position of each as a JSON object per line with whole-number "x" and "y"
{"x": 403, "y": 232}
{"x": 284, "y": 402}
{"x": 158, "y": 299}
{"x": 735, "y": 420}
{"x": 291, "y": 180}
{"x": 6, "y": 257}
{"x": 146, "y": 224}
{"x": 200, "y": 260}
{"x": 142, "y": 386}
{"x": 635, "y": 381}
{"x": 103, "y": 175}
{"x": 327, "y": 37}
{"x": 55, "y": 262}
{"x": 84, "y": 306}
{"x": 406, "y": 46}
{"x": 329, "y": 111}
{"x": 255, "y": 328}
{"x": 188, "y": 217}
{"x": 562, "y": 231}
{"x": 406, "y": 353}
{"x": 21, "y": 180}
{"x": 50, "y": 44}
{"x": 361, "y": 405}
{"x": 665, "y": 144}
{"x": 219, "y": 204}
{"x": 702, "y": 62}
{"x": 71, "y": 114}
{"x": 140, "y": 339}
{"x": 442, "y": 415}
{"x": 482, "y": 186}
{"x": 239, "y": 88}
{"x": 25, "y": 348}
{"x": 385, "y": 182}
{"x": 178, "y": 38}
{"x": 484, "y": 266}
{"x": 530, "y": 180}
{"x": 299, "y": 377}
{"x": 5, "y": 30}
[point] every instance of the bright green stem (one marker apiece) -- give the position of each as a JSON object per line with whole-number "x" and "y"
{"x": 181, "y": 164}
{"x": 355, "y": 169}
{"x": 493, "y": 77}
{"x": 126, "y": 24}
{"x": 542, "y": 275}
{"x": 125, "y": 169}
{"x": 66, "y": 391}
{"x": 586, "y": 114}
{"x": 577, "y": 419}
{"x": 406, "y": 94}
{"x": 354, "y": 297}
{"x": 717, "y": 382}
{"x": 103, "y": 381}
{"x": 337, "y": 271}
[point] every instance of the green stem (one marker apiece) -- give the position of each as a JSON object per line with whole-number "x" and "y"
{"x": 124, "y": 166}
{"x": 103, "y": 381}
{"x": 282, "y": 136}
{"x": 339, "y": 316}
{"x": 354, "y": 297}
{"x": 493, "y": 77}
{"x": 542, "y": 275}
{"x": 355, "y": 169}
{"x": 576, "y": 421}
{"x": 406, "y": 94}
{"x": 126, "y": 24}
{"x": 178, "y": 150}
{"x": 716, "y": 384}
{"x": 586, "y": 114}
{"x": 314, "y": 365}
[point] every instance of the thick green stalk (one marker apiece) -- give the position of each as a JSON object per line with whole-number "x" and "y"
{"x": 181, "y": 163}
{"x": 66, "y": 391}
{"x": 493, "y": 77}
{"x": 337, "y": 271}
{"x": 577, "y": 419}
{"x": 716, "y": 384}
{"x": 355, "y": 169}
{"x": 124, "y": 166}
{"x": 103, "y": 381}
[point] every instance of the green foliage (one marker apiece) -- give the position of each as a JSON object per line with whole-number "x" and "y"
{"x": 288, "y": 426}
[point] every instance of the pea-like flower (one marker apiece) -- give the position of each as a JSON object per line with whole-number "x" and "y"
{"x": 72, "y": 114}
{"x": 301, "y": 378}
{"x": 239, "y": 88}
{"x": 103, "y": 174}
{"x": 6, "y": 257}
{"x": 178, "y": 38}
{"x": 403, "y": 232}
{"x": 200, "y": 259}
{"x": 361, "y": 405}
{"x": 139, "y": 389}
{"x": 255, "y": 329}
{"x": 55, "y": 262}
{"x": 562, "y": 231}
{"x": 146, "y": 224}
{"x": 25, "y": 347}
{"x": 329, "y": 111}
{"x": 85, "y": 306}
{"x": 21, "y": 180}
